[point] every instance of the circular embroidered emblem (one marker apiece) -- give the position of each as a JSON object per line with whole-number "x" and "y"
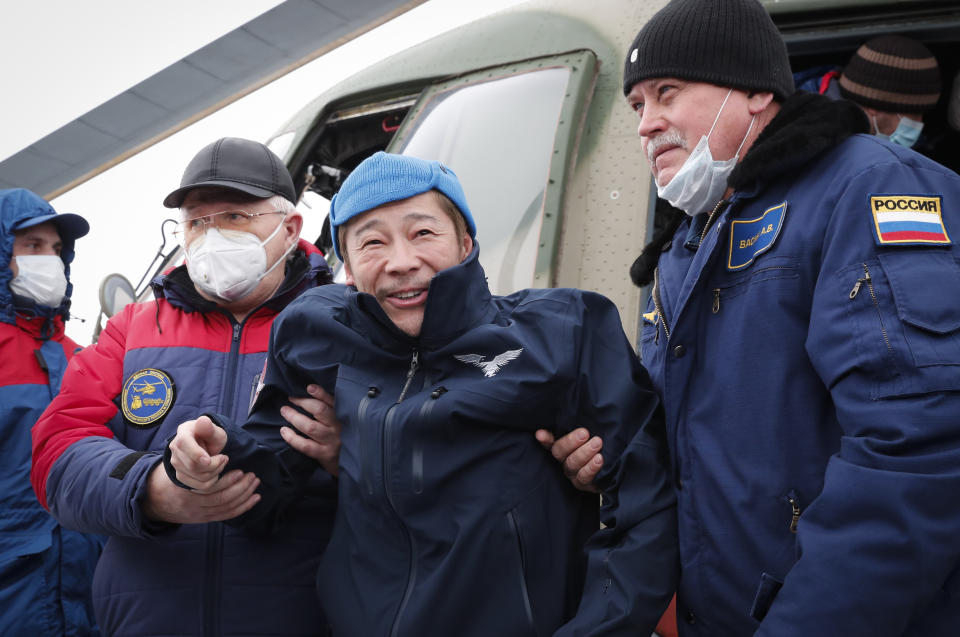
{"x": 147, "y": 397}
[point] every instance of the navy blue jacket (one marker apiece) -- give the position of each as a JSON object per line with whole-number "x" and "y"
{"x": 155, "y": 365}
{"x": 807, "y": 351}
{"x": 452, "y": 519}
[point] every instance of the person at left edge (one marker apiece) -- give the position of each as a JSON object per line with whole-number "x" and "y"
{"x": 45, "y": 569}
{"x": 170, "y": 567}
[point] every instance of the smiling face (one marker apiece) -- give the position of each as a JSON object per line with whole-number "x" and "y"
{"x": 393, "y": 250}
{"x": 675, "y": 114}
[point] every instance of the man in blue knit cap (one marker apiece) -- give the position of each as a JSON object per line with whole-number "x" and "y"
{"x": 452, "y": 520}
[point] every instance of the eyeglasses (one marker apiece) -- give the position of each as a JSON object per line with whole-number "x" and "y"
{"x": 227, "y": 219}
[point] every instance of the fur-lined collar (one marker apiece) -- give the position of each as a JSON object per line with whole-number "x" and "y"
{"x": 806, "y": 126}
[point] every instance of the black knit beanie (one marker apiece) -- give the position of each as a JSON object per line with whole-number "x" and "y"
{"x": 894, "y": 74}
{"x": 730, "y": 43}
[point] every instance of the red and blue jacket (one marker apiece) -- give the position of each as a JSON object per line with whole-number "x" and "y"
{"x": 156, "y": 365}
{"x": 45, "y": 571}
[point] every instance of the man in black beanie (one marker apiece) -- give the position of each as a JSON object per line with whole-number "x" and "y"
{"x": 803, "y": 334}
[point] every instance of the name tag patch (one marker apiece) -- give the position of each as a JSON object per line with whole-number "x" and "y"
{"x": 147, "y": 397}
{"x": 908, "y": 220}
{"x": 752, "y": 237}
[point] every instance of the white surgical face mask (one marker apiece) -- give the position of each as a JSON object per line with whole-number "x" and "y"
{"x": 701, "y": 181}
{"x": 40, "y": 277}
{"x": 228, "y": 264}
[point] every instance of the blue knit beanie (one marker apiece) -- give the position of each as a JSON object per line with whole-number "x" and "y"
{"x": 385, "y": 177}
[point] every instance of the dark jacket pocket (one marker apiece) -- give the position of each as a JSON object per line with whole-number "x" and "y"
{"x": 926, "y": 291}
{"x": 766, "y": 593}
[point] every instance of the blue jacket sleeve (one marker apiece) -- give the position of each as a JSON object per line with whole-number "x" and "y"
{"x": 633, "y": 562}
{"x": 879, "y": 543}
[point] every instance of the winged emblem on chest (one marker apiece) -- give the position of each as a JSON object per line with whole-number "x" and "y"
{"x": 491, "y": 367}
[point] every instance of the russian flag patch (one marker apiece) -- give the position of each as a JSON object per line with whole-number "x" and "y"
{"x": 908, "y": 220}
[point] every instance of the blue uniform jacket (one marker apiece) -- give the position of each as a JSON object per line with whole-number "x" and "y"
{"x": 155, "y": 365}
{"x": 452, "y": 519}
{"x": 807, "y": 351}
{"x": 45, "y": 570}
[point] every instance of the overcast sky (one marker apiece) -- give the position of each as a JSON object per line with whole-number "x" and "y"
{"x": 62, "y": 58}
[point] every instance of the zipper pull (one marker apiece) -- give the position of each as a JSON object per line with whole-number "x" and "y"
{"x": 856, "y": 286}
{"x": 716, "y": 300}
{"x": 856, "y": 289}
{"x": 236, "y": 332}
{"x": 796, "y": 513}
{"x": 414, "y": 365}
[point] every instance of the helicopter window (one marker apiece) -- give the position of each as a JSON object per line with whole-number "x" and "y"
{"x": 498, "y": 135}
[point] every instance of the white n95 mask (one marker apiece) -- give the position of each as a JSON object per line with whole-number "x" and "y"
{"x": 40, "y": 277}
{"x": 701, "y": 181}
{"x": 228, "y": 264}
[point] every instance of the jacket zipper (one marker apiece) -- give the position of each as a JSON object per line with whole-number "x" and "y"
{"x": 876, "y": 303}
{"x": 364, "y": 445}
{"x": 515, "y": 527}
{"x": 384, "y": 467}
{"x": 211, "y": 590}
{"x": 794, "y": 502}
{"x": 417, "y": 462}
{"x": 717, "y": 291}
{"x": 658, "y": 304}
{"x": 414, "y": 366}
{"x": 214, "y": 544}
{"x": 712, "y": 217}
{"x": 412, "y": 566}
{"x": 230, "y": 389}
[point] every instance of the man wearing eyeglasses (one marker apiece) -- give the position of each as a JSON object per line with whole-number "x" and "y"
{"x": 200, "y": 345}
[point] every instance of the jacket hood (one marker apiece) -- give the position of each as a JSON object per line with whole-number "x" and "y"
{"x": 16, "y": 206}
{"x": 458, "y": 299}
{"x": 306, "y": 268}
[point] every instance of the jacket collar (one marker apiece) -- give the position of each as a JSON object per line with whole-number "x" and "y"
{"x": 806, "y": 126}
{"x": 458, "y": 299}
{"x": 42, "y": 323}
